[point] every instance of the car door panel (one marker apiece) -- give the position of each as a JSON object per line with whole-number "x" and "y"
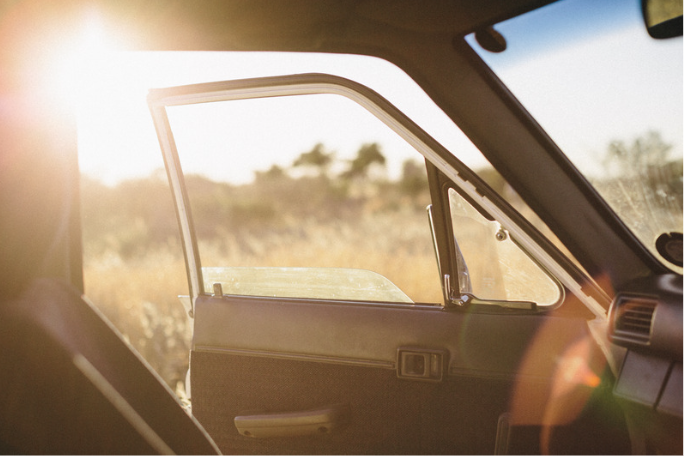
{"x": 384, "y": 410}
{"x": 257, "y": 356}
{"x": 370, "y": 333}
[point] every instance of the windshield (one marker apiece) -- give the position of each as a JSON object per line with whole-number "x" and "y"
{"x": 611, "y": 98}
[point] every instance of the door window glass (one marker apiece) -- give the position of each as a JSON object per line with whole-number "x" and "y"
{"x": 306, "y": 196}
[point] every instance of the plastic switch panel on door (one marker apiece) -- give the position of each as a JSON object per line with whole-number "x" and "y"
{"x": 421, "y": 364}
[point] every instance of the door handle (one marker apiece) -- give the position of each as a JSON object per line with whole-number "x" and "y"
{"x": 291, "y": 424}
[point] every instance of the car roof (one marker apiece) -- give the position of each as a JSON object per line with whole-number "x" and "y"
{"x": 301, "y": 25}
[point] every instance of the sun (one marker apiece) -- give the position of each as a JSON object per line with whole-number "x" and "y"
{"x": 79, "y": 63}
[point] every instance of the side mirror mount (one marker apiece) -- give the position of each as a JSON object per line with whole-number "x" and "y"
{"x": 663, "y": 18}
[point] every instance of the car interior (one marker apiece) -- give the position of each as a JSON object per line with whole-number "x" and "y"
{"x": 296, "y": 360}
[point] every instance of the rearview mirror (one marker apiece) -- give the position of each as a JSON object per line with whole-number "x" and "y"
{"x": 663, "y": 18}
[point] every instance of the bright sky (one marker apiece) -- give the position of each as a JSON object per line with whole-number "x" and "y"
{"x": 253, "y": 135}
{"x": 566, "y": 92}
{"x": 116, "y": 135}
{"x": 615, "y": 83}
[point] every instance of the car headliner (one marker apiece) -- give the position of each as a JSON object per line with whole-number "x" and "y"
{"x": 304, "y": 25}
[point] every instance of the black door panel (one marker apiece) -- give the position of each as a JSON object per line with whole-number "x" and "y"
{"x": 258, "y": 356}
{"x": 387, "y": 414}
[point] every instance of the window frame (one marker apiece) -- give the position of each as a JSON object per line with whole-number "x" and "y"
{"x": 446, "y": 167}
{"x": 446, "y": 202}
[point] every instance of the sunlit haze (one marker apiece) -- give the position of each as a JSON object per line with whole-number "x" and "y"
{"x": 116, "y": 135}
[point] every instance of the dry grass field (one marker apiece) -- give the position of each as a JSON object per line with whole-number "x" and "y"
{"x": 139, "y": 296}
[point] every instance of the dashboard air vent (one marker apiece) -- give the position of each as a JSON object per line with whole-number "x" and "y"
{"x": 633, "y": 320}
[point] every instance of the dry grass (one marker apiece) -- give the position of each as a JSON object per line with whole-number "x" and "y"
{"x": 139, "y": 297}
{"x": 395, "y": 244}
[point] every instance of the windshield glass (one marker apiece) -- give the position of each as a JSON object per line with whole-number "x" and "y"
{"x": 611, "y": 98}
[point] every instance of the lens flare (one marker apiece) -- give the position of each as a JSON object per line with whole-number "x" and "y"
{"x": 78, "y": 62}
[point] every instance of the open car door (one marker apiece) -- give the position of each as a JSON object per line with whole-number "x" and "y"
{"x": 329, "y": 316}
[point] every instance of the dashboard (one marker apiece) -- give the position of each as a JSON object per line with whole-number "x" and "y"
{"x": 647, "y": 319}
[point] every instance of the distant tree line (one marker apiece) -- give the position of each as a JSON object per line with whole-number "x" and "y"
{"x": 645, "y": 165}
{"x": 138, "y": 214}
{"x": 318, "y": 161}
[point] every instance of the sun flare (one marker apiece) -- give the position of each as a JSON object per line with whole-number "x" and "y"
{"x": 77, "y": 65}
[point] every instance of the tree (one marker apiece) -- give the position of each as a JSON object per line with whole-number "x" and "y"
{"x": 643, "y": 175}
{"x": 367, "y": 155}
{"x": 316, "y": 158}
{"x": 645, "y": 152}
{"x": 274, "y": 173}
{"x": 413, "y": 177}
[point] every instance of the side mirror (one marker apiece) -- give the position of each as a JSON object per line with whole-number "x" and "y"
{"x": 663, "y": 18}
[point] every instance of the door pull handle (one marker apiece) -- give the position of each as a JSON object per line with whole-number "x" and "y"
{"x": 291, "y": 424}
